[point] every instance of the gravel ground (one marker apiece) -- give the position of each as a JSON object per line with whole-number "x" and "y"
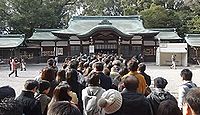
{"x": 172, "y": 76}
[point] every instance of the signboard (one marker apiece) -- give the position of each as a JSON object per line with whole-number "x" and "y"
{"x": 60, "y": 51}
{"x": 163, "y": 45}
{"x": 47, "y": 53}
{"x": 91, "y": 49}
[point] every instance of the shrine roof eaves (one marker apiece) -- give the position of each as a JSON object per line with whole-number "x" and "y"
{"x": 11, "y": 40}
{"x": 83, "y": 26}
{"x": 193, "y": 39}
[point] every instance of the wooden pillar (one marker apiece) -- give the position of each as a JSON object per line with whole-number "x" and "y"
{"x": 142, "y": 48}
{"x": 130, "y": 47}
{"x": 55, "y": 47}
{"x": 155, "y": 48}
{"x": 69, "y": 48}
{"x": 119, "y": 45}
{"x": 197, "y": 55}
{"x": 81, "y": 46}
{"x": 40, "y": 55}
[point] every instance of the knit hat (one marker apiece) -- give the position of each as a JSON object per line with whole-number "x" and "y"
{"x": 110, "y": 101}
{"x": 160, "y": 82}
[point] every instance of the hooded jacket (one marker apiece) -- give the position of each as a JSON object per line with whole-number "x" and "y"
{"x": 92, "y": 89}
{"x": 157, "y": 96}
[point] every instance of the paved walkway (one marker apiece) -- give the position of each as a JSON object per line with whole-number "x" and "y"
{"x": 172, "y": 76}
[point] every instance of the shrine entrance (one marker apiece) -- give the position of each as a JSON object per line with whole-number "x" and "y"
{"x": 106, "y": 48}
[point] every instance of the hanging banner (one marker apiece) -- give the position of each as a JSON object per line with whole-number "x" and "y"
{"x": 91, "y": 49}
{"x": 60, "y": 51}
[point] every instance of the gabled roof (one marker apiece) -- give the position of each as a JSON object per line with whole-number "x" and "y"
{"x": 83, "y": 26}
{"x": 104, "y": 27}
{"x": 167, "y": 34}
{"x": 11, "y": 40}
{"x": 193, "y": 39}
{"x": 44, "y": 35}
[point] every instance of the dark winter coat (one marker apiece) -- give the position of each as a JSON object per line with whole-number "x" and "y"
{"x": 31, "y": 106}
{"x": 147, "y": 78}
{"x": 157, "y": 96}
{"x": 134, "y": 104}
{"x": 105, "y": 81}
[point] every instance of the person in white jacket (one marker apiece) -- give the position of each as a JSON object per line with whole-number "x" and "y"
{"x": 186, "y": 85}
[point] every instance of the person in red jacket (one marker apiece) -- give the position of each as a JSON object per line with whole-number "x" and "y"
{"x": 14, "y": 64}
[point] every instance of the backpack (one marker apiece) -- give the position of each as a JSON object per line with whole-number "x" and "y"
{"x": 91, "y": 103}
{"x": 189, "y": 85}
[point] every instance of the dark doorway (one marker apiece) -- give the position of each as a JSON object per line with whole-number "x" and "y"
{"x": 106, "y": 48}
{"x": 106, "y": 51}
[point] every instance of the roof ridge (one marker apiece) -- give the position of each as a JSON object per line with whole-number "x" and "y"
{"x": 136, "y": 17}
{"x": 12, "y": 35}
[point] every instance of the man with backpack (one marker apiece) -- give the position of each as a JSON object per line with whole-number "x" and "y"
{"x": 159, "y": 94}
{"x": 91, "y": 95}
{"x": 186, "y": 85}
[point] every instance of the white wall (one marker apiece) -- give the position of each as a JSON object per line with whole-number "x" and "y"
{"x": 165, "y": 59}
{"x": 165, "y": 51}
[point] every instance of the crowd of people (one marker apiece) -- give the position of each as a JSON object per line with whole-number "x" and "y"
{"x": 99, "y": 85}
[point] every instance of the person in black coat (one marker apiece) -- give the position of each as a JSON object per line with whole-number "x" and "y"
{"x": 133, "y": 103}
{"x": 141, "y": 69}
{"x": 105, "y": 81}
{"x": 159, "y": 94}
{"x": 31, "y": 106}
{"x": 10, "y": 106}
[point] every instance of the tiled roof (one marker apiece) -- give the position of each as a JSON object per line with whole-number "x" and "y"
{"x": 193, "y": 39}
{"x": 167, "y": 34}
{"x": 124, "y": 25}
{"x": 43, "y": 35}
{"x": 11, "y": 40}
